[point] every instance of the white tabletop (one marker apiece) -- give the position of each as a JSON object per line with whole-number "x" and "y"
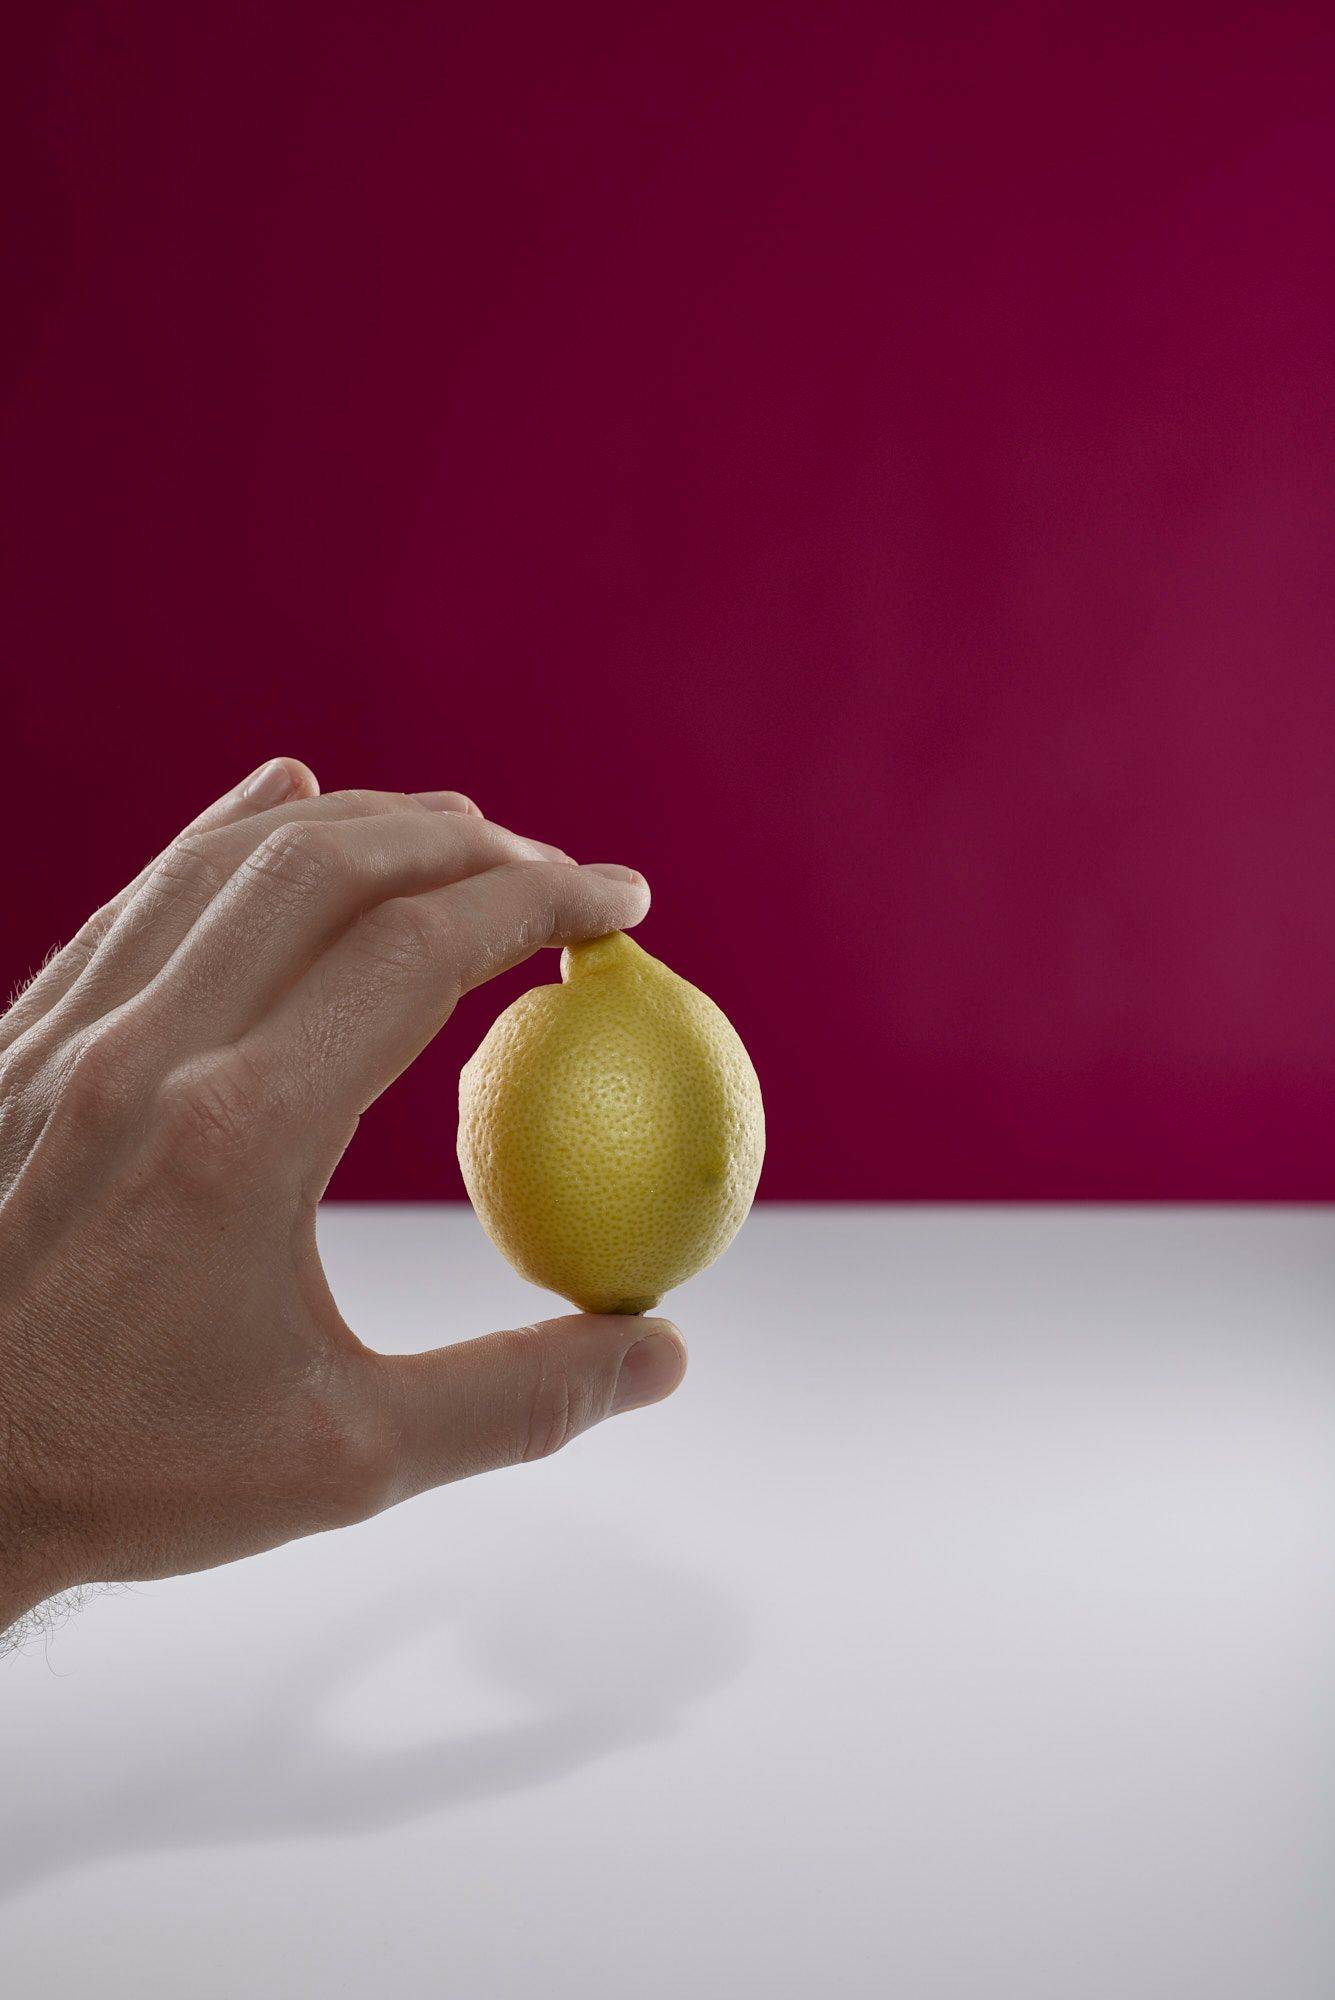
{"x": 964, "y": 1627}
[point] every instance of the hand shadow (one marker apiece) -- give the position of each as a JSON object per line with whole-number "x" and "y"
{"x": 607, "y": 1652}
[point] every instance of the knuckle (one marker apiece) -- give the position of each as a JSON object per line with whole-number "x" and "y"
{"x": 210, "y": 1114}
{"x": 550, "y": 1417}
{"x": 402, "y": 936}
{"x": 537, "y": 923}
{"x": 302, "y": 858}
{"x": 87, "y": 940}
{"x": 188, "y": 870}
{"x": 362, "y": 801}
{"x": 72, "y": 960}
{"x": 98, "y": 1081}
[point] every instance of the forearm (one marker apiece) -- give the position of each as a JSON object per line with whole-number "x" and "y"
{"x": 25, "y": 1578}
{"x": 17, "y": 1599}
{"x": 11, "y": 1612}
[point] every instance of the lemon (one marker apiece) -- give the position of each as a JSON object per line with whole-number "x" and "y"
{"x": 611, "y": 1130}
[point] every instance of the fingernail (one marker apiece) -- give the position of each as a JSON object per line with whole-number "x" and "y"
{"x": 268, "y": 786}
{"x": 649, "y": 1371}
{"x": 613, "y": 871}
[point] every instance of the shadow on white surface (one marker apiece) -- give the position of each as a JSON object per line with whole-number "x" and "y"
{"x": 591, "y": 1657}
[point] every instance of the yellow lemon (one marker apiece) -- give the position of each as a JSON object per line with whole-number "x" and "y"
{"x": 611, "y": 1130}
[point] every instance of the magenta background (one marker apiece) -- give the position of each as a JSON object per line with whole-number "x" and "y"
{"x": 869, "y": 470}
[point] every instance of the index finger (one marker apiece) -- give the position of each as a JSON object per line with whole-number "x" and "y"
{"x": 373, "y": 1001}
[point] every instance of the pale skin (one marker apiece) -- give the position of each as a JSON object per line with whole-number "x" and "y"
{"x": 177, "y": 1386}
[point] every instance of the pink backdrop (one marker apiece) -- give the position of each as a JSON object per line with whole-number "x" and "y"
{"x": 869, "y": 469}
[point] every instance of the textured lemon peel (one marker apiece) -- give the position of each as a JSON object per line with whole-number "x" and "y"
{"x": 611, "y": 1130}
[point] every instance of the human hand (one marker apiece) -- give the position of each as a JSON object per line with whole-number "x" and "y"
{"x": 177, "y": 1386}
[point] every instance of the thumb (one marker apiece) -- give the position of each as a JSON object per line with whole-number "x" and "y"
{"x": 522, "y": 1394}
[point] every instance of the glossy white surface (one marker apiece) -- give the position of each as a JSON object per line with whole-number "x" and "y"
{"x": 965, "y": 1627}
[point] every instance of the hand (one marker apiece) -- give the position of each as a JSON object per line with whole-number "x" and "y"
{"x": 177, "y": 1387}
